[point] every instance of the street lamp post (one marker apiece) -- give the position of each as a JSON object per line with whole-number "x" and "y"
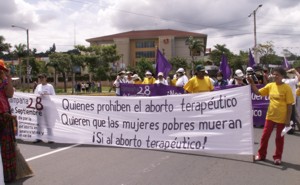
{"x": 27, "y": 60}
{"x": 255, "y": 42}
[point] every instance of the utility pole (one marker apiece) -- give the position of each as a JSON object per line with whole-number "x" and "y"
{"x": 255, "y": 40}
{"x": 28, "y": 67}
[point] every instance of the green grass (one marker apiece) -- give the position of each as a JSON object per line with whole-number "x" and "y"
{"x": 61, "y": 91}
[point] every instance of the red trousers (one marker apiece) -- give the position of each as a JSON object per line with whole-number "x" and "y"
{"x": 268, "y": 128}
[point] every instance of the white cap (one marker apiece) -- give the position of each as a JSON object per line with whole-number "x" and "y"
{"x": 135, "y": 77}
{"x": 160, "y": 74}
{"x": 249, "y": 69}
{"x": 239, "y": 73}
{"x": 148, "y": 73}
{"x": 180, "y": 70}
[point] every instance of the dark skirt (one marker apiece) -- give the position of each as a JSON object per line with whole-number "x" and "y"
{"x": 8, "y": 150}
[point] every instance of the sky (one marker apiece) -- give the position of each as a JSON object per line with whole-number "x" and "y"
{"x": 70, "y": 22}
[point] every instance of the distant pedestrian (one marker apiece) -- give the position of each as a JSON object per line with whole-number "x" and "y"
{"x": 34, "y": 86}
{"x": 99, "y": 88}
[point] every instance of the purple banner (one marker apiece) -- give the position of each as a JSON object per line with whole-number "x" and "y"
{"x": 149, "y": 90}
{"x": 259, "y": 104}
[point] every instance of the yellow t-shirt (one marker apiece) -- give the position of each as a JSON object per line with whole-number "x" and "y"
{"x": 196, "y": 85}
{"x": 137, "y": 82}
{"x": 280, "y": 96}
{"x": 173, "y": 81}
{"x": 149, "y": 80}
{"x": 298, "y": 90}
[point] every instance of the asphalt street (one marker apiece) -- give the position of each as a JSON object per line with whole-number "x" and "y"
{"x": 65, "y": 164}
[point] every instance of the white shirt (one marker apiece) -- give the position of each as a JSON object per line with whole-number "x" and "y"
{"x": 182, "y": 81}
{"x": 117, "y": 83}
{"x": 292, "y": 83}
{"x": 44, "y": 89}
{"x": 163, "y": 81}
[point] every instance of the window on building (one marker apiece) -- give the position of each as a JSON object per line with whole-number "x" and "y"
{"x": 145, "y": 44}
{"x": 145, "y": 54}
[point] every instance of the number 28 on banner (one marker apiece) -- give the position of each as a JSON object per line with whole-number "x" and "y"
{"x": 35, "y": 104}
{"x": 144, "y": 91}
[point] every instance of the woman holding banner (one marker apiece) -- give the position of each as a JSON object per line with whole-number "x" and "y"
{"x": 8, "y": 139}
{"x": 279, "y": 112}
{"x": 48, "y": 113}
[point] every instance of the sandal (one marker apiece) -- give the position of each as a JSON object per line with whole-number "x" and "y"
{"x": 259, "y": 158}
{"x": 277, "y": 161}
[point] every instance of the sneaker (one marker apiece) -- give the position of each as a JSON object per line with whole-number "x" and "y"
{"x": 277, "y": 161}
{"x": 291, "y": 131}
{"x": 259, "y": 158}
{"x": 37, "y": 141}
{"x": 50, "y": 142}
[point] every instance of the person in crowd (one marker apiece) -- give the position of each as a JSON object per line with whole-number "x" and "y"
{"x": 221, "y": 82}
{"x": 278, "y": 114}
{"x": 34, "y": 86}
{"x": 99, "y": 87}
{"x": 182, "y": 79}
{"x": 161, "y": 79}
{"x": 78, "y": 87}
{"x": 169, "y": 80}
{"x": 48, "y": 112}
{"x": 298, "y": 93}
{"x": 260, "y": 74}
{"x": 83, "y": 87}
{"x": 298, "y": 102}
{"x": 292, "y": 79}
{"x": 136, "y": 79}
{"x": 129, "y": 77}
{"x": 8, "y": 151}
{"x": 238, "y": 78}
{"x": 149, "y": 79}
{"x": 250, "y": 72}
{"x": 88, "y": 87}
{"x": 199, "y": 82}
{"x": 120, "y": 79}
{"x": 211, "y": 79}
{"x": 174, "y": 80}
{"x": 93, "y": 86}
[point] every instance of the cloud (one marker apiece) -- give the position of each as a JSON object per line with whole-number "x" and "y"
{"x": 69, "y": 22}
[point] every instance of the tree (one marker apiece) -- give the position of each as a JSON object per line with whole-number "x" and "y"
{"x": 216, "y": 54}
{"x": 51, "y": 49}
{"x": 61, "y": 62}
{"x": 144, "y": 65}
{"x": 240, "y": 61}
{"x": 76, "y": 61}
{"x": 196, "y": 48}
{"x": 178, "y": 62}
{"x": 267, "y": 54}
{"x": 4, "y": 47}
{"x": 20, "y": 52}
{"x": 99, "y": 59}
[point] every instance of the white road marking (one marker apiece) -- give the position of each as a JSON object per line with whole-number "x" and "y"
{"x": 49, "y": 153}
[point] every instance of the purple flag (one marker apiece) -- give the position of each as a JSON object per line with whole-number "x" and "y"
{"x": 224, "y": 68}
{"x": 285, "y": 64}
{"x": 162, "y": 64}
{"x": 251, "y": 61}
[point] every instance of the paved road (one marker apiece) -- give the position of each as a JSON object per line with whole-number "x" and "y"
{"x": 94, "y": 165}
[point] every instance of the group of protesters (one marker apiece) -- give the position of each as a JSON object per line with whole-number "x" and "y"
{"x": 87, "y": 87}
{"x": 281, "y": 85}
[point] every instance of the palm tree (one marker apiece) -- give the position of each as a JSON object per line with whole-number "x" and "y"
{"x": 20, "y": 51}
{"x": 196, "y": 48}
{"x": 3, "y": 46}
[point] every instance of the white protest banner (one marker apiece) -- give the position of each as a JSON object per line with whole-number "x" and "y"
{"x": 213, "y": 122}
